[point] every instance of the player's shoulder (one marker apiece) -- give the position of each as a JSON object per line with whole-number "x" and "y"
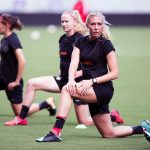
{"x": 82, "y": 38}
{"x": 77, "y": 35}
{"x": 62, "y": 37}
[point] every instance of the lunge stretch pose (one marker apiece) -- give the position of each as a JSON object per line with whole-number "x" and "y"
{"x": 96, "y": 54}
{"x": 72, "y": 25}
{"x": 12, "y": 63}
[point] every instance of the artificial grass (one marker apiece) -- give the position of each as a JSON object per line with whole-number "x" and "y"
{"x": 131, "y": 96}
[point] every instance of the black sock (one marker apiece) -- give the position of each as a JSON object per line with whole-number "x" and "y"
{"x": 59, "y": 122}
{"x": 58, "y": 125}
{"x": 137, "y": 130}
{"x": 24, "y": 112}
{"x": 113, "y": 118}
{"x": 43, "y": 105}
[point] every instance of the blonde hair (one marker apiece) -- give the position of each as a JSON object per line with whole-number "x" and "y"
{"x": 81, "y": 26}
{"x": 105, "y": 30}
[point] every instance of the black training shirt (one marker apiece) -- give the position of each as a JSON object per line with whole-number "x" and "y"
{"x": 65, "y": 50}
{"x": 94, "y": 51}
{"x": 9, "y": 63}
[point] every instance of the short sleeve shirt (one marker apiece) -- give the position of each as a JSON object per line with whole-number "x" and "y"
{"x": 87, "y": 52}
{"x": 9, "y": 63}
{"x": 66, "y": 45}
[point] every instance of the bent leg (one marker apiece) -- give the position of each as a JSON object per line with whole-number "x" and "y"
{"x": 46, "y": 83}
{"x": 66, "y": 100}
{"x": 33, "y": 108}
{"x": 41, "y": 83}
{"x": 64, "y": 103}
{"x": 83, "y": 114}
{"x": 106, "y": 129}
{"x": 46, "y": 104}
{"x": 16, "y": 108}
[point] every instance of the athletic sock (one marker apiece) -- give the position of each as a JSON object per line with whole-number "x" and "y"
{"x": 24, "y": 112}
{"x": 43, "y": 105}
{"x": 60, "y": 121}
{"x": 137, "y": 130}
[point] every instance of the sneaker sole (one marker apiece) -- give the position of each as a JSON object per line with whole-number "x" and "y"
{"x": 40, "y": 140}
{"x": 147, "y": 135}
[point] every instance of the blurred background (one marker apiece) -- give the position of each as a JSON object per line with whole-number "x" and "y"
{"x": 130, "y": 29}
{"x": 44, "y": 12}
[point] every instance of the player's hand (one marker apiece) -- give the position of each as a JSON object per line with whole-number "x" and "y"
{"x": 71, "y": 87}
{"x": 83, "y": 86}
{"x": 11, "y": 85}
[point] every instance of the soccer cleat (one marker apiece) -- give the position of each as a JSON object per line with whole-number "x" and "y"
{"x": 147, "y": 135}
{"x": 52, "y": 112}
{"x": 16, "y": 121}
{"x": 118, "y": 118}
{"x": 146, "y": 125}
{"x": 52, "y": 107}
{"x": 50, "y": 137}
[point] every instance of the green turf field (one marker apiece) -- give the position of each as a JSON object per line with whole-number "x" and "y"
{"x": 132, "y": 94}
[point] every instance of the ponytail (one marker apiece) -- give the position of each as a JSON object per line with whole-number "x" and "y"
{"x": 81, "y": 26}
{"x": 13, "y": 21}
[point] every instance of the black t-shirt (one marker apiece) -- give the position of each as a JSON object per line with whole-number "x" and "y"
{"x": 65, "y": 50}
{"x": 9, "y": 63}
{"x": 95, "y": 52}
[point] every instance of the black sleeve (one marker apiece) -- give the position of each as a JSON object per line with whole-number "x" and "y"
{"x": 61, "y": 38}
{"x": 15, "y": 43}
{"x": 77, "y": 43}
{"x": 108, "y": 47}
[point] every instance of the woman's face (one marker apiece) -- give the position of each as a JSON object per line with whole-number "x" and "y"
{"x": 2, "y": 28}
{"x": 68, "y": 23}
{"x": 95, "y": 25}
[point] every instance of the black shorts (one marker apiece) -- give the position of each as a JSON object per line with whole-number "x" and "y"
{"x": 59, "y": 82}
{"x": 104, "y": 93}
{"x": 15, "y": 96}
{"x": 79, "y": 102}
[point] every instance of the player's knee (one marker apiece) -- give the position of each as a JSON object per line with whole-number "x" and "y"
{"x": 64, "y": 89}
{"x": 31, "y": 84}
{"x": 108, "y": 134}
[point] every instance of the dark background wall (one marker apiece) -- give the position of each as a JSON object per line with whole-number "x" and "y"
{"x": 115, "y": 19}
